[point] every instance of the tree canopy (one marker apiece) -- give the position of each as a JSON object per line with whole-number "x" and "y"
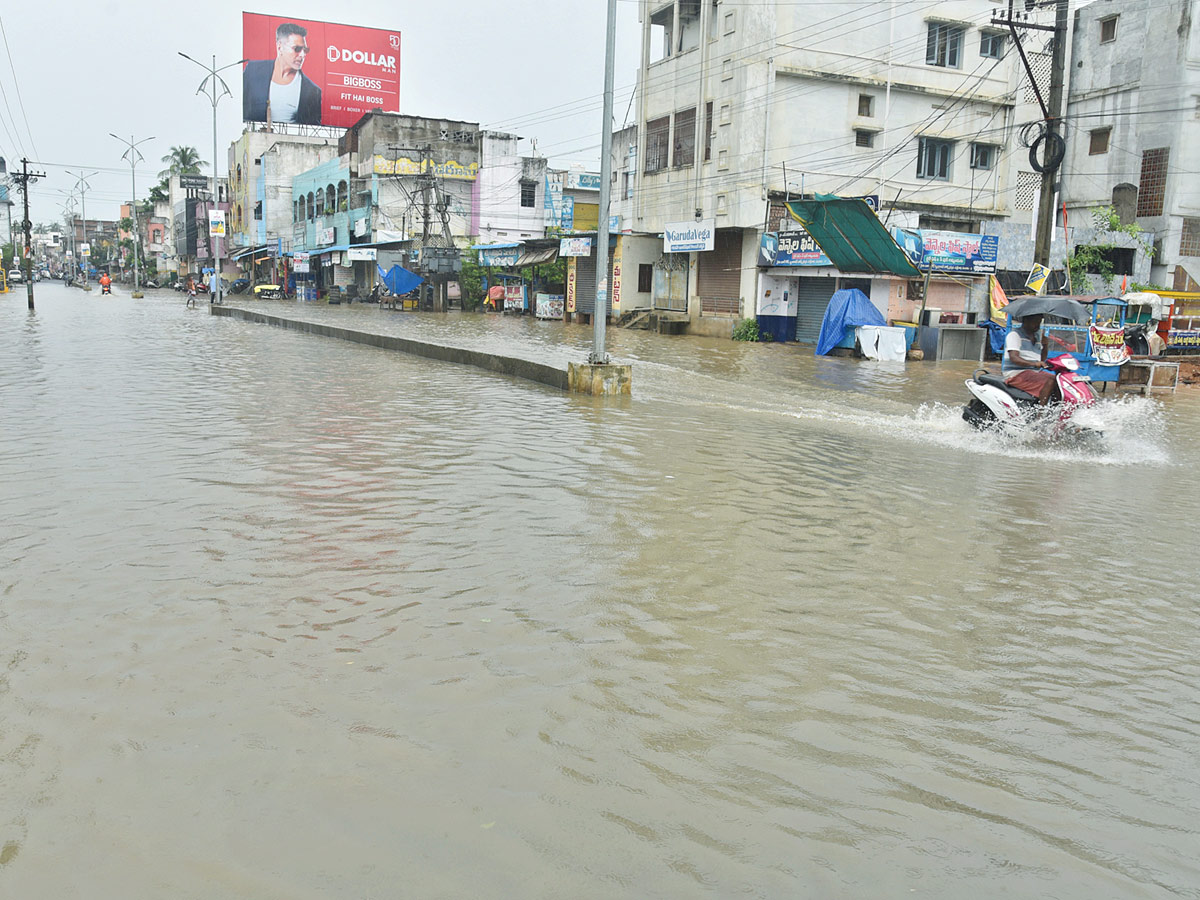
{"x": 182, "y": 161}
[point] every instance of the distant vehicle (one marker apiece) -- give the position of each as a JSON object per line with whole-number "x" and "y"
{"x": 15, "y": 276}
{"x": 239, "y": 285}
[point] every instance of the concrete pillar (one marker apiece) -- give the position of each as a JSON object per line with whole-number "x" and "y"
{"x": 599, "y": 380}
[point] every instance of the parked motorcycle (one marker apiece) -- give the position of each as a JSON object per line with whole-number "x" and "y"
{"x": 996, "y": 404}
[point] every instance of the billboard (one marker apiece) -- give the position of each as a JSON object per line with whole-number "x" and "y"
{"x": 949, "y": 251}
{"x": 317, "y": 73}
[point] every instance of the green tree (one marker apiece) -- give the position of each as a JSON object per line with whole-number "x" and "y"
{"x": 158, "y": 193}
{"x": 182, "y": 161}
{"x": 1094, "y": 258}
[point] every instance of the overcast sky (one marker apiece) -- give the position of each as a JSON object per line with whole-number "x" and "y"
{"x": 84, "y": 69}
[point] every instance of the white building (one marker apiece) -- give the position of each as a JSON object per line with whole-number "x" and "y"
{"x": 510, "y": 200}
{"x": 1134, "y": 126}
{"x": 738, "y": 103}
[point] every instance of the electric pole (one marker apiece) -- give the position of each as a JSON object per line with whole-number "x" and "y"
{"x": 599, "y": 356}
{"x": 22, "y": 180}
{"x": 1054, "y": 147}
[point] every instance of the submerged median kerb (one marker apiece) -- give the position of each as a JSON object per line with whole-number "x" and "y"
{"x": 505, "y": 365}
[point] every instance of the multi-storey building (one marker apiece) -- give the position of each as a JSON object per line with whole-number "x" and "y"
{"x": 742, "y": 104}
{"x": 1134, "y": 128}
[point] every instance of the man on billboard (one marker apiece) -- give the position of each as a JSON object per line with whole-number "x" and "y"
{"x": 292, "y": 95}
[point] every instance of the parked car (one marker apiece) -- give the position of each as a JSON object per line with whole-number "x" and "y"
{"x": 15, "y": 276}
{"x": 239, "y": 285}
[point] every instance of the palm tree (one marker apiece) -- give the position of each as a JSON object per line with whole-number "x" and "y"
{"x": 182, "y": 161}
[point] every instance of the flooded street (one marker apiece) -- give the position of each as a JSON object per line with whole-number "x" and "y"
{"x": 288, "y": 617}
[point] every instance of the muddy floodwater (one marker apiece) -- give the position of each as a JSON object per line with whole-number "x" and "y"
{"x": 288, "y": 617}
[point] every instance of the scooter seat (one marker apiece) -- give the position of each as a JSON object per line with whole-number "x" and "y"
{"x": 998, "y": 382}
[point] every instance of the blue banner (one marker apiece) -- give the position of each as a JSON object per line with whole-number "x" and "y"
{"x": 949, "y": 251}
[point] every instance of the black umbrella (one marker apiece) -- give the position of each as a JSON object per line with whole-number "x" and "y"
{"x": 1048, "y": 305}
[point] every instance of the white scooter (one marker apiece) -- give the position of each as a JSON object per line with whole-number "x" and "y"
{"x": 996, "y": 404}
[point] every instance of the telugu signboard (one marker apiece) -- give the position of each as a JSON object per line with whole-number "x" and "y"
{"x": 360, "y": 254}
{"x": 549, "y": 306}
{"x": 790, "y": 248}
{"x": 689, "y": 237}
{"x": 575, "y": 247}
{"x": 317, "y": 73}
{"x": 499, "y": 256}
{"x": 949, "y": 251}
{"x": 299, "y": 262}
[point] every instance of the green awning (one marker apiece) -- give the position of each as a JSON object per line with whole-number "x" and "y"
{"x": 851, "y": 235}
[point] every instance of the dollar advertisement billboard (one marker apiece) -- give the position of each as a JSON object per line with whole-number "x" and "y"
{"x": 317, "y": 73}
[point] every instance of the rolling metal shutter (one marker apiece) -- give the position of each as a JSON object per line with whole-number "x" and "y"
{"x": 812, "y": 296}
{"x": 719, "y": 274}
{"x": 585, "y": 283}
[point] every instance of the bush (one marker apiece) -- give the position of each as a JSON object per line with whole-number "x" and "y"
{"x": 746, "y": 330}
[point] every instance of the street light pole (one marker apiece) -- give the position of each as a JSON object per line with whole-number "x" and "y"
{"x": 212, "y": 79}
{"x": 83, "y": 189}
{"x": 133, "y": 155}
{"x": 598, "y": 354}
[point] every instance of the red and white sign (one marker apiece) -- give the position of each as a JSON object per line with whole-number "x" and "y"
{"x": 317, "y": 73}
{"x": 1108, "y": 345}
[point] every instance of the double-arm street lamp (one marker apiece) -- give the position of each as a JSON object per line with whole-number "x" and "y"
{"x": 133, "y": 155}
{"x": 214, "y": 87}
{"x": 83, "y": 187}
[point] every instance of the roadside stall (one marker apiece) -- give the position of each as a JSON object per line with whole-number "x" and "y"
{"x": 1098, "y": 343}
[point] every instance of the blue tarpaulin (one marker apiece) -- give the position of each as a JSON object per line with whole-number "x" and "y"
{"x": 996, "y": 335}
{"x": 399, "y": 280}
{"x": 849, "y": 306}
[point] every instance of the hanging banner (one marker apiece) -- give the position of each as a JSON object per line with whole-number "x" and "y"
{"x": 216, "y": 223}
{"x": 575, "y": 247}
{"x": 359, "y": 254}
{"x": 1108, "y": 346}
{"x": 949, "y": 251}
{"x": 572, "y": 276}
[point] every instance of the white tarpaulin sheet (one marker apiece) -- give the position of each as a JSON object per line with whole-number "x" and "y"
{"x": 882, "y": 342}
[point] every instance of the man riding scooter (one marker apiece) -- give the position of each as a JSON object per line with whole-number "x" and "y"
{"x": 1023, "y": 365}
{"x": 105, "y": 284}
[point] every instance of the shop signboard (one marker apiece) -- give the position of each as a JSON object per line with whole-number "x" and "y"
{"x": 549, "y": 306}
{"x": 326, "y": 236}
{"x": 572, "y": 277}
{"x": 193, "y": 182}
{"x": 342, "y": 71}
{"x": 514, "y": 295}
{"x": 361, "y": 254}
{"x": 300, "y": 262}
{"x": 575, "y": 247}
{"x": 689, "y": 237}
{"x": 499, "y": 256}
{"x": 791, "y": 248}
{"x": 583, "y": 181}
{"x": 949, "y": 251}
{"x": 1108, "y": 346}
{"x": 1179, "y": 338}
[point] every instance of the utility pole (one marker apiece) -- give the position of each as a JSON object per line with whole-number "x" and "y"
{"x": 22, "y": 180}
{"x": 1050, "y": 139}
{"x": 133, "y": 155}
{"x": 599, "y": 356}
